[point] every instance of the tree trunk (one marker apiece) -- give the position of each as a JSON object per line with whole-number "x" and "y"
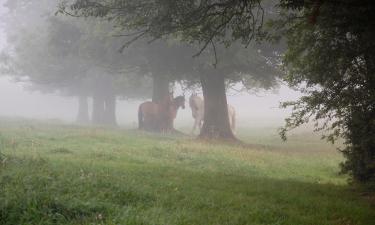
{"x": 160, "y": 94}
{"x": 160, "y": 88}
{"x": 83, "y": 110}
{"x": 216, "y": 121}
{"x": 110, "y": 110}
{"x": 98, "y": 109}
{"x": 104, "y": 101}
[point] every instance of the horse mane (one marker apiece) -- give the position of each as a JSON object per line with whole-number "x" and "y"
{"x": 179, "y": 100}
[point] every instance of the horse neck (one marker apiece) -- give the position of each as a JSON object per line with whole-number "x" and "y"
{"x": 172, "y": 109}
{"x": 175, "y": 105}
{"x": 195, "y": 100}
{"x": 197, "y": 104}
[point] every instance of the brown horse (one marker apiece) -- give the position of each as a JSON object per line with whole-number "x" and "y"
{"x": 159, "y": 117}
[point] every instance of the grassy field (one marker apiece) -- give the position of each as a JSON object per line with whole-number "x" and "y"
{"x": 61, "y": 174}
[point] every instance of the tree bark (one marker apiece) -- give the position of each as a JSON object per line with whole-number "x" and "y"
{"x": 104, "y": 101}
{"x": 83, "y": 110}
{"x": 98, "y": 109}
{"x": 110, "y": 110}
{"x": 216, "y": 121}
{"x": 161, "y": 93}
{"x": 160, "y": 88}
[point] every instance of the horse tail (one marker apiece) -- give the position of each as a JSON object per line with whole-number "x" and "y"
{"x": 140, "y": 118}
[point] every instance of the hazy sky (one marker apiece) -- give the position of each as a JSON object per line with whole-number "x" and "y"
{"x": 1, "y": 23}
{"x": 16, "y": 101}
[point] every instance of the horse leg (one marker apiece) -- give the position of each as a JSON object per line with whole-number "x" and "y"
{"x": 200, "y": 124}
{"x": 140, "y": 118}
{"x": 195, "y": 126}
{"x": 230, "y": 122}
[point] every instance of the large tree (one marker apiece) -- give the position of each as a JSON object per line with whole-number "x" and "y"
{"x": 236, "y": 65}
{"x": 202, "y": 24}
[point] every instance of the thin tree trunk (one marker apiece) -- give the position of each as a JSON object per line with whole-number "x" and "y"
{"x": 110, "y": 110}
{"x": 83, "y": 110}
{"x": 216, "y": 121}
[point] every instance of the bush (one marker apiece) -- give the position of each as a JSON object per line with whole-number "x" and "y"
{"x": 360, "y": 151}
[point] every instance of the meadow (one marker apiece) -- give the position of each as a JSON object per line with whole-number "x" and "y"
{"x": 53, "y": 173}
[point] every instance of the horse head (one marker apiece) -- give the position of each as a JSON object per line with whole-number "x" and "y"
{"x": 180, "y": 101}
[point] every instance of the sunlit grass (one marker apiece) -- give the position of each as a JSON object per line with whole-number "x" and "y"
{"x": 60, "y": 174}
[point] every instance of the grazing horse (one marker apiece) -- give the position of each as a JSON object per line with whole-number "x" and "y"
{"x": 159, "y": 116}
{"x": 197, "y": 108}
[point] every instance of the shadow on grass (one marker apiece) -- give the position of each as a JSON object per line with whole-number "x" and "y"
{"x": 38, "y": 192}
{"x": 175, "y": 134}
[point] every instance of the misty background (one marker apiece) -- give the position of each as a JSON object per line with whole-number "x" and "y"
{"x": 253, "y": 109}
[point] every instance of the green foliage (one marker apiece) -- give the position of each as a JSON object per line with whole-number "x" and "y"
{"x": 126, "y": 177}
{"x": 334, "y": 60}
{"x": 214, "y": 32}
{"x": 203, "y": 21}
{"x": 360, "y": 137}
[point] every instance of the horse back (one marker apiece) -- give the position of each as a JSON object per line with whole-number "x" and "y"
{"x": 196, "y": 102}
{"x": 149, "y": 108}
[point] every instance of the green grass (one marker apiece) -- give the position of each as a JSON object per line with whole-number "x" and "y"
{"x": 59, "y": 174}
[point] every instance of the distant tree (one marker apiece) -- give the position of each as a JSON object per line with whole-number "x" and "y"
{"x": 34, "y": 57}
{"x": 59, "y": 54}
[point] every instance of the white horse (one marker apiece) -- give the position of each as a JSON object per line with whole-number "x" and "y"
{"x": 197, "y": 109}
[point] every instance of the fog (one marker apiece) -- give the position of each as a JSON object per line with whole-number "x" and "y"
{"x": 260, "y": 109}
